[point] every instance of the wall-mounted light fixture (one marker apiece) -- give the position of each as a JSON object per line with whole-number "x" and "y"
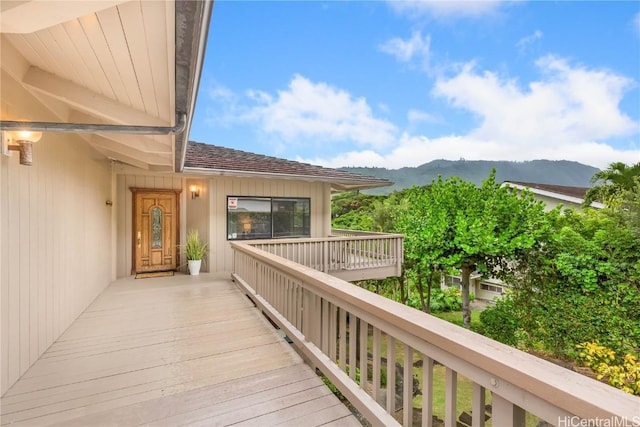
{"x": 195, "y": 191}
{"x": 21, "y": 141}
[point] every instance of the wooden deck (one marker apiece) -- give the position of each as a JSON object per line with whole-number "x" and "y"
{"x": 171, "y": 351}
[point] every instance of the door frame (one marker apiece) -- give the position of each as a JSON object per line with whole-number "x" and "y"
{"x": 134, "y": 221}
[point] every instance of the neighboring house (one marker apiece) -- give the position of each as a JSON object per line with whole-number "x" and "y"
{"x": 552, "y": 195}
{"x": 114, "y": 184}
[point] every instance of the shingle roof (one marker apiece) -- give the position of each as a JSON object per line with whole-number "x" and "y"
{"x": 218, "y": 160}
{"x": 578, "y": 192}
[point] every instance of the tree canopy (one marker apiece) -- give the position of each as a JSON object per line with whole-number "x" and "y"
{"x": 455, "y": 225}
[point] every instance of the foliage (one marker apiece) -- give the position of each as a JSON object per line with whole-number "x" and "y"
{"x": 194, "y": 248}
{"x": 620, "y": 372}
{"x": 442, "y": 300}
{"x": 612, "y": 182}
{"x": 499, "y": 322}
{"x": 354, "y": 211}
{"x": 454, "y": 225}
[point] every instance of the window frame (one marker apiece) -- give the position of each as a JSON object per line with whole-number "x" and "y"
{"x": 272, "y": 201}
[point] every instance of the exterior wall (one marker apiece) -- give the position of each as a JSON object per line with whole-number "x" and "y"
{"x": 55, "y": 237}
{"x": 221, "y": 187}
{"x": 208, "y": 212}
{"x": 198, "y": 217}
{"x": 551, "y": 203}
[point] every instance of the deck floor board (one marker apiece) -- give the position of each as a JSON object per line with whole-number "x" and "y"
{"x": 171, "y": 351}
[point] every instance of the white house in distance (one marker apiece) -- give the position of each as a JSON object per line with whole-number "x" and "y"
{"x": 553, "y": 196}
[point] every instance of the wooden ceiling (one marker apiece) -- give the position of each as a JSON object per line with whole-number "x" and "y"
{"x": 101, "y": 61}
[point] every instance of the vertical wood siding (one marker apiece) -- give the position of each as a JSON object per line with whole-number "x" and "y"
{"x": 208, "y": 213}
{"x": 220, "y": 187}
{"x": 55, "y": 229}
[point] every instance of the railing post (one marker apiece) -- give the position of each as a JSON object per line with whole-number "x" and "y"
{"x": 451, "y": 396}
{"x": 505, "y": 413}
{"x": 407, "y": 388}
{"x": 427, "y": 391}
{"x": 477, "y": 406}
{"x": 391, "y": 374}
{"x": 325, "y": 256}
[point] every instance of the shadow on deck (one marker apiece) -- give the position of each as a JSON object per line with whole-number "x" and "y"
{"x": 179, "y": 350}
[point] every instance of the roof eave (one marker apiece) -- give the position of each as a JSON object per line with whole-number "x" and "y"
{"x": 339, "y": 184}
{"x": 192, "y": 20}
{"x": 553, "y": 195}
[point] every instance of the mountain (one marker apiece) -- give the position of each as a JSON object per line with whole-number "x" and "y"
{"x": 555, "y": 172}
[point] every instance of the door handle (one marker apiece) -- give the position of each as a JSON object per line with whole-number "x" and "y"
{"x": 139, "y": 239}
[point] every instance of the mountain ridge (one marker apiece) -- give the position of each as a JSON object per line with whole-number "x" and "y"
{"x": 553, "y": 172}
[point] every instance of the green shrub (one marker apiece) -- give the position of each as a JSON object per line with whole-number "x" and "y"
{"x": 500, "y": 321}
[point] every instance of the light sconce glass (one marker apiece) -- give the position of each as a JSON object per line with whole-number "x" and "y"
{"x": 21, "y": 141}
{"x": 195, "y": 191}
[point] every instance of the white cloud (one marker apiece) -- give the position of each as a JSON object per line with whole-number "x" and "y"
{"x": 417, "y": 116}
{"x": 569, "y": 104}
{"x": 525, "y": 42}
{"x": 417, "y": 47}
{"x": 636, "y": 22}
{"x": 318, "y": 111}
{"x": 445, "y": 8}
{"x": 569, "y": 113}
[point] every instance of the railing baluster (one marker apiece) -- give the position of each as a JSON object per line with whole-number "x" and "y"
{"x": 477, "y": 406}
{"x": 333, "y": 332}
{"x": 342, "y": 358}
{"x": 375, "y": 392}
{"x": 427, "y": 391}
{"x": 325, "y": 327}
{"x": 407, "y": 387}
{"x": 353, "y": 345}
{"x": 391, "y": 374}
{"x": 451, "y": 395}
{"x": 364, "y": 354}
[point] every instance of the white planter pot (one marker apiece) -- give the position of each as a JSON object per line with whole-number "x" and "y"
{"x": 194, "y": 266}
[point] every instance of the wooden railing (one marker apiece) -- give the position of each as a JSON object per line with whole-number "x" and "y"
{"x": 367, "y": 345}
{"x": 350, "y": 255}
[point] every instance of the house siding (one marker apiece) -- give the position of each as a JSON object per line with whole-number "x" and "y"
{"x": 220, "y": 188}
{"x": 208, "y": 212}
{"x": 55, "y": 228}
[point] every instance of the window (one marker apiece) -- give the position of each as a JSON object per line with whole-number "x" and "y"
{"x": 453, "y": 281}
{"x": 491, "y": 288}
{"x": 267, "y": 217}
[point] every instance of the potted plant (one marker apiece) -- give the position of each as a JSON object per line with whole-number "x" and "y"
{"x": 196, "y": 250}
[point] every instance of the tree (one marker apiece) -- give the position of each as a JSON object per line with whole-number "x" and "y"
{"x": 611, "y": 182}
{"x": 454, "y": 225}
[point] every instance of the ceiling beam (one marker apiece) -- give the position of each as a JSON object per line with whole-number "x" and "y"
{"x": 12, "y": 60}
{"x": 101, "y": 143}
{"x": 28, "y": 16}
{"x": 86, "y": 100}
{"x": 122, "y": 158}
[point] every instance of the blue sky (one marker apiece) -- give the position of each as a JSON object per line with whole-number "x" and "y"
{"x": 401, "y": 83}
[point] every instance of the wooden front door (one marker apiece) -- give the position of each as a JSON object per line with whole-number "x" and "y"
{"x": 155, "y": 230}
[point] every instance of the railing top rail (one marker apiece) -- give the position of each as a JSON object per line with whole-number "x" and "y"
{"x": 320, "y": 239}
{"x": 568, "y": 390}
{"x": 337, "y": 231}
